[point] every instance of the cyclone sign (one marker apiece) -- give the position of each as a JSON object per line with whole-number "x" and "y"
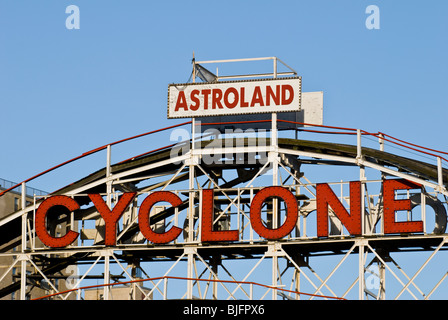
{"x": 237, "y": 97}
{"x": 325, "y": 198}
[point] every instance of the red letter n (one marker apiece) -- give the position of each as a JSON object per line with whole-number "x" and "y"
{"x": 326, "y": 197}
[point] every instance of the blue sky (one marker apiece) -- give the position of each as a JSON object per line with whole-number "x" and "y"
{"x": 64, "y": 92}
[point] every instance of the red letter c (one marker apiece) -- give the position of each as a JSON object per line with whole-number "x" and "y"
{"x": 41, "y": 224}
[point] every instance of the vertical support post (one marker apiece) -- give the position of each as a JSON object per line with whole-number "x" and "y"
{"x": 165, "y": 288}
{"x": 358, "y": 144}
{"x": 251, "y": 291}
{"x": 193, "y": 133}
{"x": 194, "y": 69}
{"x": 215, "y": 288}
{"x": 363, "y": 207}
{"x": 23, "y": 246}
{"x": 251, "y": 230}
{"x": 381, "y": 141}
{"x": 274, "y": 251}
{"x": 191, "y": 163}
{"x": 190, "y": 255}
{"x": 108, "y": 160}
{"x": 362, "y": 176}
{"x": 297, "y": 282}
{"x": 274, "y": 276}
{"x": 274, "y": 163}
{"x": 108, "y": 173}
{"x": 191, "y": 182}
{"x": 24, "y": 222}
{"x": 423, "y": 208}
{"x": 23, "y": 278}
{"x": 106, "y": 276}
{"x": 382, "y": 274}
{"x": 215, "y": 261}
{"x": 274, "y": 156}
{"x": 275, "y": 67}
{"x": 274, "y": 115}
{"x": 440, "y": 173}
{"x": 361, "y": 270}
{"x": 274, "y": 137}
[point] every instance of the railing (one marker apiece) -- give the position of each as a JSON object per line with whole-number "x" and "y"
{"x": 14, "y": 187}
{"x": 88, "y": 153}
{"x": 439, "y": 157}
{"x": 166, "y": 278}
{"x": 352, "y": 131}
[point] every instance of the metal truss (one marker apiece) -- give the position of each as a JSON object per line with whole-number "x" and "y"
{"x": 299, "y": 266}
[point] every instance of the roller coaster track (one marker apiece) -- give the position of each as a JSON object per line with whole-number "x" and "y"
{"x": 158, "y": 162}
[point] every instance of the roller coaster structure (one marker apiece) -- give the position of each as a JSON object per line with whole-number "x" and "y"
{"x": 236, "y": 166}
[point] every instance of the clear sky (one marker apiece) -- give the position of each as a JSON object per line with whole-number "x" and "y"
{"x": 66, "y": 91}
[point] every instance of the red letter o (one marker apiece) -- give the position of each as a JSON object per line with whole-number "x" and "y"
{"x": 291, "y": 213}
{"x": 226, "y": 98}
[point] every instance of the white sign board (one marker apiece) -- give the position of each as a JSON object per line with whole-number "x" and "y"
{"x": 312, "y": 108}
{"x": 236, "y": 97}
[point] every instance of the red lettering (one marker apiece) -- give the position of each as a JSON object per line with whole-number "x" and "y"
{"x": 326, "y": 197}
{"x": 391, "y": 205}
{"x": 205, "y": 93}
{"x": 243, "y": 103}
{"x": 207, "y": 232}
{"x": 270, "y": 94}
{"x": 41, "y": 224}
{"x": 229, "y": 104}
{"x": 111, "y": 217}
{"x": 257, "y": 97}
{"x": 194, "y": 98}
{"x": 291, "y": 212}
{"x": 181, "y": 102}
{"x": 287, "y": 88}
{"x": 216, "y": 98}
{"x": 143, "y": 217}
